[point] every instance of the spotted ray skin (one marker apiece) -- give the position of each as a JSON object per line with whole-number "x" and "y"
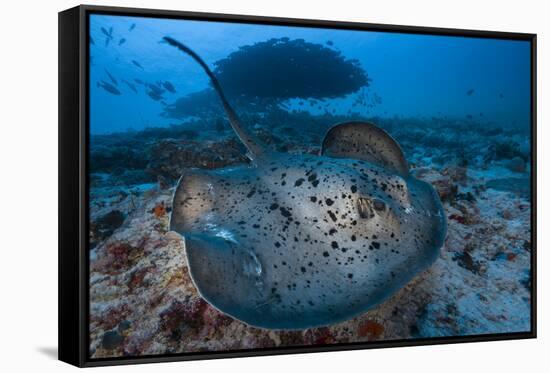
{"x": 300, "y": 241}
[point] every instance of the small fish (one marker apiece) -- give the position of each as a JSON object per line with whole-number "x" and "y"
{"x": 169, "y": 86}
{"x": 137, "y": 64}
{"x": 130, "y": 85}
{"x": 469, "y": 116}
{"x": 111, "y": 77}
{"x": 92, "y": 41}
{"x": 470, "y": 92}
{"x": 139, "y": 81}
{"x": 163, "y": 103}
{"x": 155, "y": 88}
{"x": 132, "y": 26}
{"x": 501, "y": 95}
{"x": 108, "y": 35}
{"x": 155, "y": 96}
{"x": 121, "y": 41}
{"x": 329, "y": 42}
{"x": 108, "y": 87}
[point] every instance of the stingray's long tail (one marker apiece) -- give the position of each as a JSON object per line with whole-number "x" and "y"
{"x": 254, "y": 149}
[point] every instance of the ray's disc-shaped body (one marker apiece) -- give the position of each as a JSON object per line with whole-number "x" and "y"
{"x": 303, "y": 241}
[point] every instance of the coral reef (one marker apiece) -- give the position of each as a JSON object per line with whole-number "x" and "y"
{"x": 289, "y": 68}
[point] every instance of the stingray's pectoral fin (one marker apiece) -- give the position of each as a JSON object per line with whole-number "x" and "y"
{"x": 226, "y": 275}
{"x": 365, "y": 141}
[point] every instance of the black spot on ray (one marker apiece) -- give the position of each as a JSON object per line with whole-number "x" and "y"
{"x": 285, "y": 212}
{"x": 332, "y": 215}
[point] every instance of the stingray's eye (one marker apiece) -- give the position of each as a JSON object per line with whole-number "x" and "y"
{"x": 364, "y": 207}
{"x": 378, "y": 204}
{"x": 368, "y": 207}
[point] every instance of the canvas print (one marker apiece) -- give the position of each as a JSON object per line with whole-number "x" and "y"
{"x": 261, "y": 186}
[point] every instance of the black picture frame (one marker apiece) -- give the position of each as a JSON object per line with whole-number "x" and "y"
{"x": 73, "y": 182}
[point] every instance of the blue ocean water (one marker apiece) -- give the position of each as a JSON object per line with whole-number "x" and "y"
{"x": 411, "y": 75}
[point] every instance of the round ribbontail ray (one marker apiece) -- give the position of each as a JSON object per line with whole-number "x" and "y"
{"x": 298, "y": 241}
